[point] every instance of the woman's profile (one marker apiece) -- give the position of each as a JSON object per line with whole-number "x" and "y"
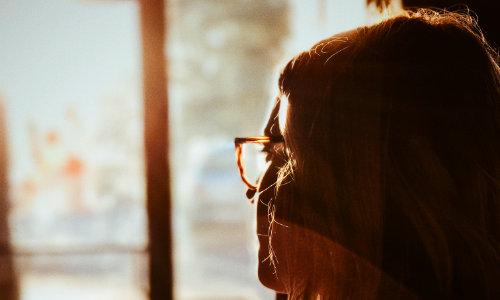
{"x": 383, "y": 165}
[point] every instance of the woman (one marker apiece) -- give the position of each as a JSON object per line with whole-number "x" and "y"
{"x": 383, "y": 176}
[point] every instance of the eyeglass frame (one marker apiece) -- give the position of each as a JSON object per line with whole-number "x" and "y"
{"x": 238, "y": 145}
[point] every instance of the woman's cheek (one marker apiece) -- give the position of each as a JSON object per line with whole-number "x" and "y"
{"x": 268, "y": 272}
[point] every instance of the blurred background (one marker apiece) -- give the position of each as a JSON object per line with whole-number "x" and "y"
{"x": 73, "y": 217}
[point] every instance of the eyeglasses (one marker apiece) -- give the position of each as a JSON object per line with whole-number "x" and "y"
{"x": 254, "y": 159}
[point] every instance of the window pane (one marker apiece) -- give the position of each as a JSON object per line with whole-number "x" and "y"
{"x": 71, "y": 83}
{"x": 222, "y": 58}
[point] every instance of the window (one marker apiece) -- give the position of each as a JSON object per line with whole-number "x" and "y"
{"x": 222, "y": 58}
{"x": 70, "y": 84}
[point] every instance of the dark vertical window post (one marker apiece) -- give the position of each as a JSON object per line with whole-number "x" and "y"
{"x": 156, "y": 141}
{"x": 8, "y": 281}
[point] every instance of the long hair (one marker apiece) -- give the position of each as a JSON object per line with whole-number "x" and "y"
{"x": 392, "y": 135}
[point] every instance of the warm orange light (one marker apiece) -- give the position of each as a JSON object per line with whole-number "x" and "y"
{"x": 73, "y": 166}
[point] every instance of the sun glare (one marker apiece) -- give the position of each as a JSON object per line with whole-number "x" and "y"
{"x": 311, "y": 21}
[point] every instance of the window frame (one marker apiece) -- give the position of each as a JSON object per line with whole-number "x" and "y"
{"x": 156, "y": 146}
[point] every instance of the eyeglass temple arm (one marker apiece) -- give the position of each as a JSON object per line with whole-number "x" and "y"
{"x": 259, "y": 139}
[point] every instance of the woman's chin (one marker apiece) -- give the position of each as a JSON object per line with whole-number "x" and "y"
{"x": 267, "y": 275}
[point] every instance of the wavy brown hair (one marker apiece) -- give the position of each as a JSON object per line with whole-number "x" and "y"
{"x": 392, "y": 134}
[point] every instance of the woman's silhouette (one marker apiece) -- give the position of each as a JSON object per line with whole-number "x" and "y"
{"x": 383, "y": 173}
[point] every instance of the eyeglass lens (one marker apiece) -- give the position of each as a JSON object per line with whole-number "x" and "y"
{"x": 253, "y": 160}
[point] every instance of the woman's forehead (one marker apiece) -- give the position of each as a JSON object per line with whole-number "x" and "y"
{"x": 282, "y": 112}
